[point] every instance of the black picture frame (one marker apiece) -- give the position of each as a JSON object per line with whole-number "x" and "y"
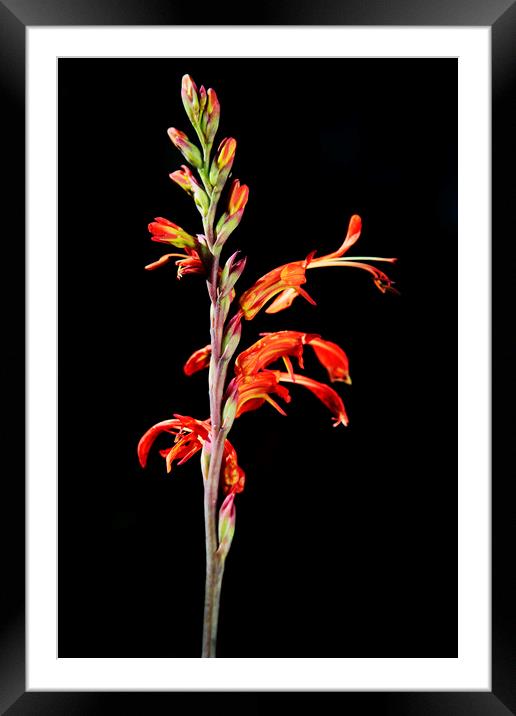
{"x": 15, "y": 16}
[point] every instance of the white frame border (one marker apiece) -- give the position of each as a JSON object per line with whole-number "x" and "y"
{"x": 471, "y": 670}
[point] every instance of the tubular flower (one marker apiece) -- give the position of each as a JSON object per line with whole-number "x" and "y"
{"x": 268, "y": 286}
{"x": 252, "y": 380}
{"x": 166, "y": 232}
{"x": 283, "y": 344}
{"x": 254, "y": 390}
{"x": 199, "y": 360}
{"x": 272, "y": 347}
{"x": 289, "y": 277}
{"x": 189, "y": 437}
{"x": 326, "y": 395}
{"x": 189, "y": 262}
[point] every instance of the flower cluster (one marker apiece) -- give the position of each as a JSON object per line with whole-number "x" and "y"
{"x": 254, "y": 382}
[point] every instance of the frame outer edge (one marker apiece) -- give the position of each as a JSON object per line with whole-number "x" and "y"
{"x": 503, "y": 35}
{"x": 12, "y": 484}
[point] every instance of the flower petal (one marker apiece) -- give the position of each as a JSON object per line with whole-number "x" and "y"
{"x": 326, "y": 395}
{"x": 332, "y": 357}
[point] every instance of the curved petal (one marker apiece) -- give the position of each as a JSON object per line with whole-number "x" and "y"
{"x": 199, "y": 360}
{"x": 233, "y": 477}
{"x": 147, "y": 440}
{"x": 326, "y": 395}
{"x": 332, "y": 357}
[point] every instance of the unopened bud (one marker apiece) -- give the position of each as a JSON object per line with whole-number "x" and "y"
{"x": 189, "y": 151}
{"x": 231, "y": 337}
{"x": 222, "y": 163}
{"x": 230, "y": 409}
{"x": 202, "y": 99}
{"x": 205, "y": 459}
{"x": 231, "y": 218}
{"x": 211, "y": 116}
{"x": 231, "y": 273}
{"x": 190, "y": 99}
{"x": 227, "y": 518}
{"x": 189, "y": 183}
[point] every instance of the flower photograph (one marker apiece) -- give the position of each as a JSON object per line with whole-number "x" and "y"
{"x": 257, "y": 267}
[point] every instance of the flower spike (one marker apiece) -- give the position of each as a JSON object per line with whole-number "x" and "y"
{"x": 262, "y": 371}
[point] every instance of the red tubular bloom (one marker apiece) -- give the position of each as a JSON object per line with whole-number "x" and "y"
{"x": 199, "y": 360}
{"x": 282, "y": 344}
{"x": 189, "y": 437}
{"x": 286, "y": 280}
{"x": 254, "y": 390}
{"x": 272, "y": 347}
{"x": 326, "y": 395}
{"x": 189, "y": 262}
{"x": 167, "y": 232}
{"x": 287, "y": 277}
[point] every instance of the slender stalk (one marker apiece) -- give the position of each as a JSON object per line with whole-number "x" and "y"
{"x": 214, "y": 563}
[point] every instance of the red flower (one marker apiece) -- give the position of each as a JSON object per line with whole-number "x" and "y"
{"x": 189, "y": 437}
{"x": 287, "y": 279}
{"x": 253, "y": 384}
{"x": 254, "y": 390}
{"x": 198, "y": 360}
{"x": 167, "y": 232}
{"x": 189, "y": 263}
{"x": 283, "y": 344}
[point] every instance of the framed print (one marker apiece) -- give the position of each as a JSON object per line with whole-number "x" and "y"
{"x": 362, "y": 560}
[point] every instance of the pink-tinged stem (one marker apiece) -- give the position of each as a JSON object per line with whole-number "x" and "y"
{"x": 214, "y": 562}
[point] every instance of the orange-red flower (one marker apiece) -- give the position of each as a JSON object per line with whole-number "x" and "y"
{"x": 287, "y": 279}
{"x": 189, "y": 437}
{"x": 280, "y": 345}
{"x": 166, "y": 232}
{"x": 189, "y": 262}
{"x": 254, "y": 383}
{"x": 198, "y": 360}
{"x": 254, "y": 390}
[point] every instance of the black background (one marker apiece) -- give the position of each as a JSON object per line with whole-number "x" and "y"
{"x": 346, "y": 538}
